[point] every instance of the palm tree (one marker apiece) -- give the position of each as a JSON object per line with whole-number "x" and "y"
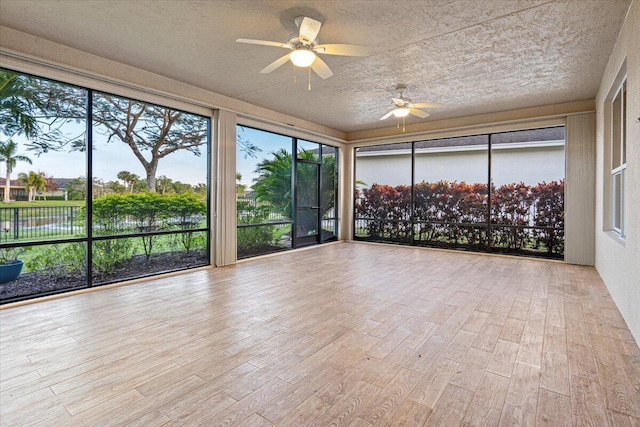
{"x": 39, "y": 183}
{"x": 18, "y": 101}
{"x": 240, "y": 187}
{"x": 163, "y": 184}
{"x": 128, "y": 178}
{"x": 23, "y": 179}
{"x": 273, "y": 184}
{"x": 8, "y": 155}
{"x": 34, "y": 183}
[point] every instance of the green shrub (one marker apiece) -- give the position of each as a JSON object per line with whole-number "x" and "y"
{"x": 254, "y": 239}
{"x": 186, "y": 210}
{"x": 258, "y": 238}
{"x": 108, "y": 253}
{"x": 146, "y": 213}
{"x": 110, "y": 215}
{"x": 58, "y": 261}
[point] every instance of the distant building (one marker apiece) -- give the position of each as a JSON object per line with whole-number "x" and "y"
{"x": 529, "y": 156}
{"x": 19, "y": 191}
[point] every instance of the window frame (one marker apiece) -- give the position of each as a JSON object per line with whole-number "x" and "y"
{"x": 617, "y": 147}
{"x": 296, "y": 143}
{"x": 90, "y": 89}
{"x": 489, "y": 225}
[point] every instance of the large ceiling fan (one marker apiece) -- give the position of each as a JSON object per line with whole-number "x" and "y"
{"x": 401, "y": 107}
{"x": 304, "y": 48}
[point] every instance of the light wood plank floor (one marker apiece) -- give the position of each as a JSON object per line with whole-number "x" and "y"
{"x": 346, "y": 334}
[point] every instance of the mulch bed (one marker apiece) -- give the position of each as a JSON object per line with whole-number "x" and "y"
{"x": 31, "y": 284}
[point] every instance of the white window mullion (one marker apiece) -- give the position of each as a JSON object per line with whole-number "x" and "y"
{"x": 618, "y": 158}
{"x": 622, "y": 200}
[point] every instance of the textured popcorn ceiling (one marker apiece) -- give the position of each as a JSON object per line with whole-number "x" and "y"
{"x": 473, "y": 56}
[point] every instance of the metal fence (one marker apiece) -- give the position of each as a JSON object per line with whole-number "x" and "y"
{"x": 45, "y": 222}
{"x": 251, "y": 211}
{"x": 533, "y": 240}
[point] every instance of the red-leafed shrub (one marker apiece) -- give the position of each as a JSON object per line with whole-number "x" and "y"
{"x": 431, "y": 207}
{"x": 450, "y": 212}
{"x": 511, "y": 210}
{"x": 455, "y": 213}
{"x": 549, "y": 212}
{"x": 471, "y": 210}
{"x": 390, "y": 204}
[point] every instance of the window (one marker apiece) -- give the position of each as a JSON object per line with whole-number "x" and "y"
{"x": 499, "y": 192}
{"x": 44, "y": 190}
{"x": 134, "y": 205}
{"x": 283, "y": 201}
{"x": 263, "y": 192}
{"x": 527, "y": 194}
{"x": 150, "y": 173}
{"x": 618, "y": 158}
{"x": 383, "y": 194}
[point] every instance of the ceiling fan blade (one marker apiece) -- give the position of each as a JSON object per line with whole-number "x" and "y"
{"x": 397, "y": 101}
{"x": 275, "y": 64}
{"x": 264, "y": 43}
{"x": 425, "y": 105}
{"x": 386, "y": 116}
{"x": 309, "y": 29}
{"x": 321, "y": 68}
{"x": 343, "y": 49}
{"x": 418, "y": 113}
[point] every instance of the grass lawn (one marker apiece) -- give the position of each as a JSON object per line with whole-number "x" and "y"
{"x": 43, "y": 203}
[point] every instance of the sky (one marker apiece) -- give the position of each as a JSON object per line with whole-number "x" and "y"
{"x": 267, "y": 142}
{"x": 109, "y": 159}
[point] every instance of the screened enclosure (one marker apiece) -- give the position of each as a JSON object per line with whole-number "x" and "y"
{"x": 500, "y": 192}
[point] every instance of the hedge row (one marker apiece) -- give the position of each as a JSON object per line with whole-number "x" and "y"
{"x": 143, "y": 213}
{"x": 117, "y": 213}
{"x": 456, "y": 213}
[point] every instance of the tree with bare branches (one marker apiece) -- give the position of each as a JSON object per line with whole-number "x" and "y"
{"x": 151, "y": 132}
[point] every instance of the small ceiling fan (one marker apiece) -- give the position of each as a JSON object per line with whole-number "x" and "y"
{"x": 401, "y": 107}
{"x": 304, "y": 48}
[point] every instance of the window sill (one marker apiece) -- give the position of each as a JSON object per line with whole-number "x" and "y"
{"x": 616, "y": 238}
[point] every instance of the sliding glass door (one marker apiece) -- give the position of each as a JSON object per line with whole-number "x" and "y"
{"x": 307, "y": 193}
{"x": 284, "y": 201}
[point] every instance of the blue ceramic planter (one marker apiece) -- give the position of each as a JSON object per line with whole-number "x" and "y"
{"x": 11, "y": 271}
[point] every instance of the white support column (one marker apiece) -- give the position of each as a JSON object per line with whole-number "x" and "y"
{"x": 579, "y": 195}
{"x": 225, "y": 190}
{"x": 346, "y": 180}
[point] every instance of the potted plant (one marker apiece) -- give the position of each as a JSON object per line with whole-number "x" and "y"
{"x": 10, "y": 265}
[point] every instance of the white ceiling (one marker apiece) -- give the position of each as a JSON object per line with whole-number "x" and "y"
{"x": 473, "y": 56}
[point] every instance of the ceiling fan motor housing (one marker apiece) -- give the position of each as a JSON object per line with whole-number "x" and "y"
{"x": 294, "y": 40}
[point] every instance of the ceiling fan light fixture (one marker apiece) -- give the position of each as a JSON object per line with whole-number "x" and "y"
{"x": 302, "y": 57}
{"x": 401, "y": 112}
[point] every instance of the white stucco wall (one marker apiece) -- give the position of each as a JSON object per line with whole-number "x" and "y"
{"x": 529, "y": 165}
{"x": 391, "y": 170}
{"x": 617, "y": 261}
{"x": 466, "y": 166}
